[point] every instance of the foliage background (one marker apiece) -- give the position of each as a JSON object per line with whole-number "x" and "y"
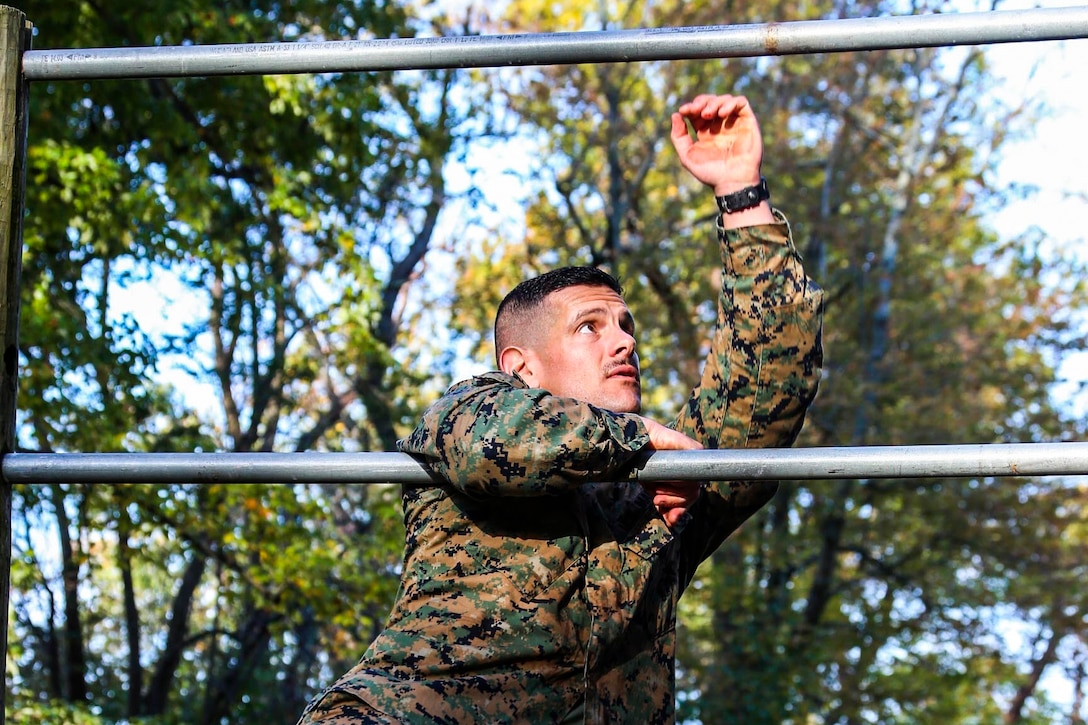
{"x": 337, "y": 244}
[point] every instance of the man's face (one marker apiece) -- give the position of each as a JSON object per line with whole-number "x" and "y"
{"x": 588, "y": 350}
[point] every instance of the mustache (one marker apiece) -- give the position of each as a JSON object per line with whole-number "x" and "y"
{"x": 628, "y": 362}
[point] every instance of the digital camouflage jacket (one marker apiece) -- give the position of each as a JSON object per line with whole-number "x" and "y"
{"x": 541, "y": 575}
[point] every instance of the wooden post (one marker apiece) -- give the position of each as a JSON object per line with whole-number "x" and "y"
{"x": 14, "y": 40}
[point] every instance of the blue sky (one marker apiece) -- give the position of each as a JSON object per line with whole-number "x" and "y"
{"x": 1055, "y": 158}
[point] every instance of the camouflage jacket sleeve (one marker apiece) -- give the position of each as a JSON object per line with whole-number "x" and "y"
{"x": 760, "y": 376}
{"x": 493, "y": 435}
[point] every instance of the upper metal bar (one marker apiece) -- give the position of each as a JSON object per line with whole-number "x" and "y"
{"x": 932, "y": 461}
{"x": 721, "y": 41}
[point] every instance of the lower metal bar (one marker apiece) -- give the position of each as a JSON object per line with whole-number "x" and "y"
{"x": 936, "y": 461}
{"x": 721, "y": 41}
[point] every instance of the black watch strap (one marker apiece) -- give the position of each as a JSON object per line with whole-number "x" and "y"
{"x": 745, "y": 198}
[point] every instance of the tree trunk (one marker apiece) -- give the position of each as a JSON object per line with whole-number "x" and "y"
{"x": 158, "y": 690}
{"x": 307, "y": 635}
{"x": 52, "y": 650}
{"x": 132, "y": 620}
{"x": 1078, "y": 674}
{"x": 1015, "y": 713}
{"x": 253, "y": 638}
{"x": 75, "y": 674}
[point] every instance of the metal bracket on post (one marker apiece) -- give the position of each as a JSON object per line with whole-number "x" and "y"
{"x": 15, "y": 34}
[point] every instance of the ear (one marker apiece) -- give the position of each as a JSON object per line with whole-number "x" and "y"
{"x": 519, "y": 361}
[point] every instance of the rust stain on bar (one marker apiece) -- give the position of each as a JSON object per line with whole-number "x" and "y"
{"x": 770, "y": 38}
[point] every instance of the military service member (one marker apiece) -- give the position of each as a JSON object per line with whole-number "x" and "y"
{"x": 540, "y": 582}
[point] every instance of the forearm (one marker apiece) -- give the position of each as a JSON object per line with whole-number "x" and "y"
{"x": 764, "y": 364}
{"x": 500, "y": 440}
{"x": 760, "y": 376}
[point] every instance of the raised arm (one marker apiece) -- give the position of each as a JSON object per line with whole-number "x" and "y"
{"x": 764, "y": 365}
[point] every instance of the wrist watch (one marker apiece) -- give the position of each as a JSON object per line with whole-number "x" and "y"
{"x": 745, "y": 198}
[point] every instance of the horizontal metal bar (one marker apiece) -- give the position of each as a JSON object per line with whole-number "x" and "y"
{"x": 721, "y": 41}
{"x": 933, "y": 461}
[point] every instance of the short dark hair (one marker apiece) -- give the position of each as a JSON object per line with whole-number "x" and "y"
{"x": 529, "y": 295}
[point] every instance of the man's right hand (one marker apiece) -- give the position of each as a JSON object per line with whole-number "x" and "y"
{"x": 671, "y": 498}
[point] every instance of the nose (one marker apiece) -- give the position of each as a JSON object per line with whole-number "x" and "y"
{"x": 624, "y": 344}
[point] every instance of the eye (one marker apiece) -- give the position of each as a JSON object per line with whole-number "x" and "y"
{"x": 586, "y": 328}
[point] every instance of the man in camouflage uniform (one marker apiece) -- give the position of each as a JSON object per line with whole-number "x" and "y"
{"x": 540, "y": 582}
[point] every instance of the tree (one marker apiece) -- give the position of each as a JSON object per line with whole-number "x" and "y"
{"x": 297, "y": 210}
{"x": 302, "y": 212}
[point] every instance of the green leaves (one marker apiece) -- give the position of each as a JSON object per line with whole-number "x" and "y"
{"x": 298, "y": 210}
{"x": 305, "y": 213}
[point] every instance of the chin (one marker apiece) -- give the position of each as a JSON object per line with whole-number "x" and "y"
{"x": 627, "y": 406}
{"x": 627, "y": 400}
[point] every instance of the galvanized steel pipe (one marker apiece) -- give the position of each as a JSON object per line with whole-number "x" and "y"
{"x": 724, "y": 41}
{"x": 930, "y": 461}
